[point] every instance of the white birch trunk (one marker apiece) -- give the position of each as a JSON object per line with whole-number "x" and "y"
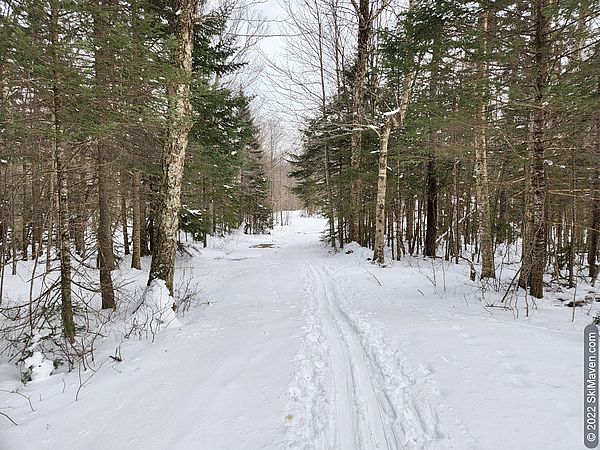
{"x": 391, "y": 121}
{"x": 179, "y": 125}
{"x": 481, "y": 166}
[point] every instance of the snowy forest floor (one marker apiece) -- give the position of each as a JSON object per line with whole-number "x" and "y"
{"x": 292, "y": 346}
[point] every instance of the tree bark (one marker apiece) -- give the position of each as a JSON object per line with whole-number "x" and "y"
{"x": 124, "y": 219}
{"x": 136, "y": 232}
{"x": 364, "y": 32}
{"x": 534, "y": 249}
{"x": 61, "y": 179}
{"x": 79, "y": 221}
{"x": 36, "y": 218}
{"x": 106, "y": 257}
{"x": 573, "y": 232}
{"x": 391, "y": 121}
{"x": 456, "y": 216}
{"x": 594, "y": 231}
{"x": 378, "y": 253}
{"x": 26, "y": 214}
{"x": 431, "y": 183}
{"x": 432, "y": 201}
{"x": 410, "y": 223}
{"x": 330, "y": 210}
{"x": 179, "y": 125}
{"x": 51, "y": 213}
{"x": 481, "y": 166}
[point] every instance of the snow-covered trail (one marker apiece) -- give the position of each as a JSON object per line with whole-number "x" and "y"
{"x": 363, "y": 413}
{"x": 218, "y": 382}
{"x": 303, "y": 349}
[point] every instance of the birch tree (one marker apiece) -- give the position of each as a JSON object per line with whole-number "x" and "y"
{"x": 178, "y": 126}
{"x": 391, "y": 120}
{"x": 481, "y": 161}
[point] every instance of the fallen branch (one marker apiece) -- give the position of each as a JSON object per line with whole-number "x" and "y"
{"x": 8, "y": 417}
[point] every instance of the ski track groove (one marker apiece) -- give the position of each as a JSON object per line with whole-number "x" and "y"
{"x": 369, "y": 409}
{"x": 351, "y": 391}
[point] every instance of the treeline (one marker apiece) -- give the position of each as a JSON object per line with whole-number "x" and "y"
{"x": 110, "y": 113}
{"x": 454, "y": 129}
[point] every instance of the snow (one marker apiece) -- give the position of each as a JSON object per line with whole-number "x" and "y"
{"x": 293, "y": 346}
{"x": 40, "y": 367}
{"x": 392, "y": 112}
{"x": 156, "y": 308}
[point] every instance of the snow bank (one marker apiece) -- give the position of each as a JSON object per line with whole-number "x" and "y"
{"x": 39, "y": 367}
{"x": 155, "y": 310}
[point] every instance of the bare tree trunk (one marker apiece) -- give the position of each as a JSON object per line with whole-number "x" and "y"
{"x": 340, "y": 227}
{"x": 481, "y": 166}
{"x": 364, "y": 32}
{"x": 61, "y": 179}
{"x": 432, "y": 202}
{"x": 80, "y": 221}
{"x": 124, "y": 220}
{"x": 35, "y": 215}
{"x": 106, "y": 257}
{"x": 378, "y": 253}
{"x": 410, "y": 223}
{"x": 136, "y": 232}
{"x": 147, "y": 230}
{"x": 501, "y": 225}
{"x": 594, "y": 231}
{"x": 16, "y": 222}
{"x": 329, "y": 199}
{"x": 392, "y": 120}
{"x": 63, "y": 240}
{"x": 398, "y": 214}
{"x": 330, "y": 210}
{"x": 456, "y": 215}
{"x": 432, "y": 182}
{"x": 179, "y": 124}
{"x": 51, "y": 211}
{"x": 572, "y": 240}
{"x": 26, "y": 214}
{"x": 211, "y": 218}
{"x": 534, "y": 250}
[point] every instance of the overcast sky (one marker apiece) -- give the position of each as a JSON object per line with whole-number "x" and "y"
{"x": 270, "y": 103}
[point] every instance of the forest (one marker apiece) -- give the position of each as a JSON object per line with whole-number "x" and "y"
{"x": 173, "y": 164}
{"x": 97, "y": 105}
{"x": 471, "y": 127}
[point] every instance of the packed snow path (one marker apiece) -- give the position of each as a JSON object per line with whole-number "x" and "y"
{"x": 304, "y": 349}
{"x": 364, "y": 414}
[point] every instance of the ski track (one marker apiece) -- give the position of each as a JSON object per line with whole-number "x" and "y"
{"x": 352, "y": 391}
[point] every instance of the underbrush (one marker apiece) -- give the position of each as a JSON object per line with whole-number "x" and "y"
{"x": 31, "y": 335}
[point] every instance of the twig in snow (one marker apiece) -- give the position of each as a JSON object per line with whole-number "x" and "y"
{"x": 83, "y": 383}
{"x": 8, "y": 417}
{"x": 378, "y": 282}
{"x": 510, "y": 285}
{"x": 22, "y": 395}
